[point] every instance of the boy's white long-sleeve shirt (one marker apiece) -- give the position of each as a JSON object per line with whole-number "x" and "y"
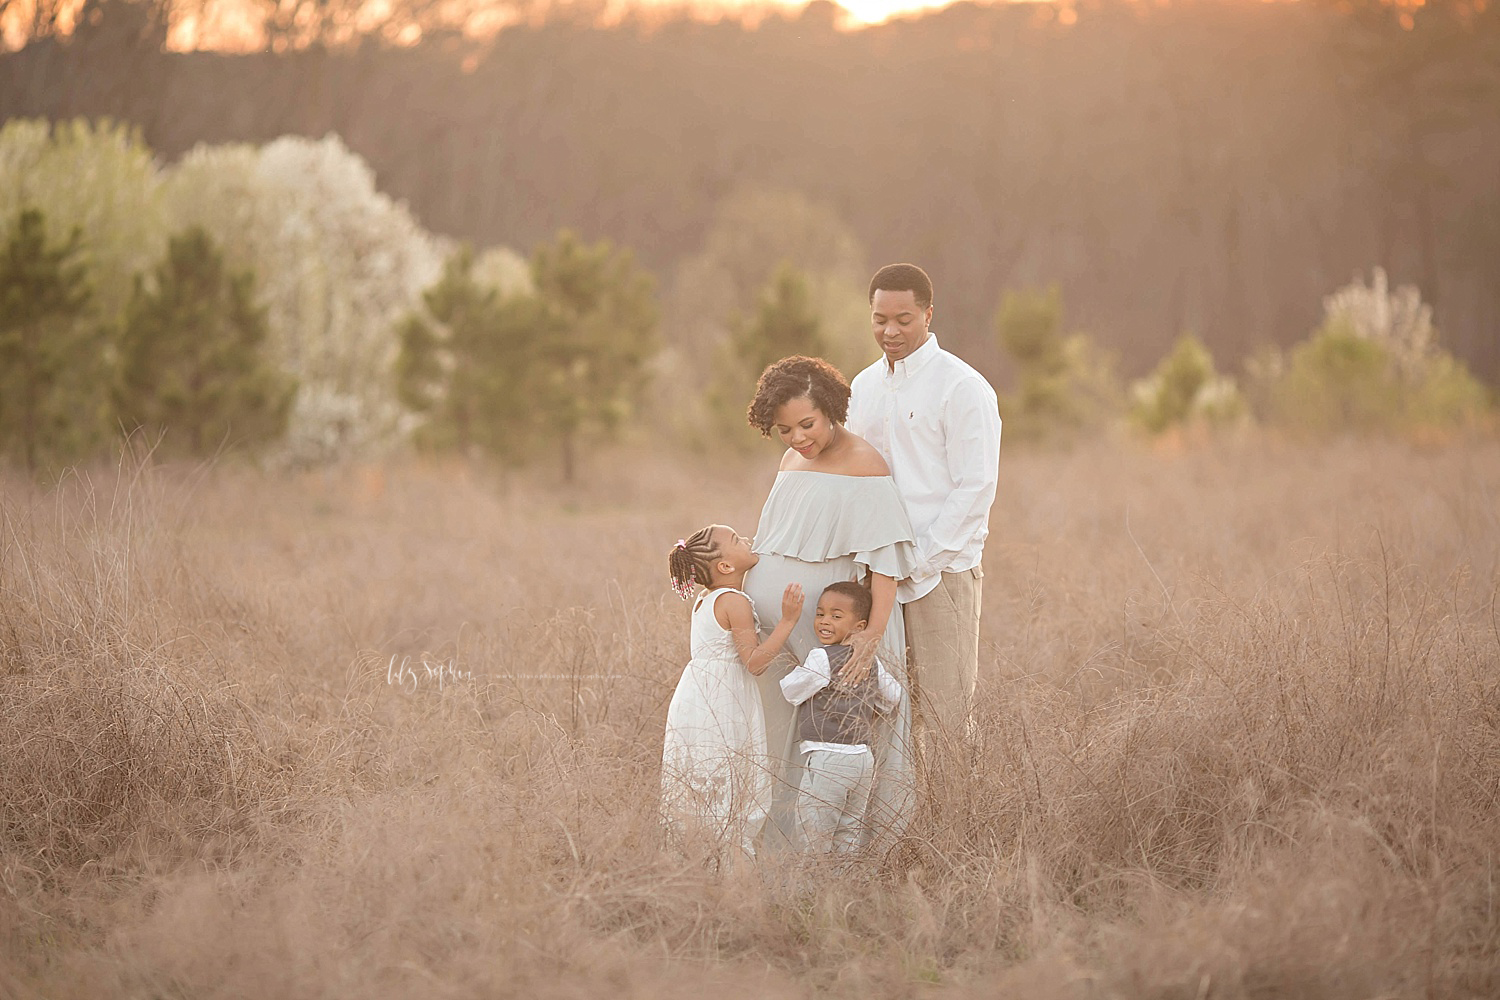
{"x": 814, "y": 674}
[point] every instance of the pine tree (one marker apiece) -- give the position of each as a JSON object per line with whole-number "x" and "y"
{"x": 464, "y": 363}
{"x": 509, "y": 373}
{"x": 49, "y": 356}
{"x": 1064, "y": 385}
{"x": 596, "y": 333}
{"x": 785, "y": 322}
{"x": 192, "y": 356}
{"x": 1029, "y": 326}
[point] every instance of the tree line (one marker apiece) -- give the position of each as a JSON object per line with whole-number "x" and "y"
{"x": 1204, "y": 168}
{"x": 272, "y": 299}
{"x": 186, "y": 372}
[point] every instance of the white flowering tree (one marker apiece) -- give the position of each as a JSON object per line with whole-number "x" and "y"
{"x": 98, "y": 178}
{"x": 1373, "y": 365}
{"x": 337, "y": 263}
{"x": 1399, "y": 321}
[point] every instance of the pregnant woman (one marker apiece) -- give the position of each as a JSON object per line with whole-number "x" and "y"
{"x": 833, "y": 514}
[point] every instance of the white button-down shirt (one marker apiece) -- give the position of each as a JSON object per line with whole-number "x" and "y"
{"x": 936, "y": 422}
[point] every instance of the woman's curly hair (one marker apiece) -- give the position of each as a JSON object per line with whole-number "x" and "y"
{"x": 792, "y": 378}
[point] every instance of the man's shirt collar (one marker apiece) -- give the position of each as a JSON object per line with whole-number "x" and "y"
{"x": 916, "y": 360}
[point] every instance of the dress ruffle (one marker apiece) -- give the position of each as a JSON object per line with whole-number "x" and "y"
{"x": 818, "y": 516}
{"x": 815, "y": 529}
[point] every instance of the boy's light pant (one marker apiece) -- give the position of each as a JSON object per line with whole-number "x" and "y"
{"x": 832, "y": 799}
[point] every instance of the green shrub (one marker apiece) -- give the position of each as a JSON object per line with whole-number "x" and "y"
{"x": 1185, "y": 389}
{"x": 1337, "y": 381}
{"x": 1064, "y": 384}
{"x": 1373, "y": 366}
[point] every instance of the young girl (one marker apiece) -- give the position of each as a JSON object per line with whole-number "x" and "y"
{"x": 715, "y": 775}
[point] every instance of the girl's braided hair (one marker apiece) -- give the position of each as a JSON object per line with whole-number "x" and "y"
{"x": 690, "y": 560}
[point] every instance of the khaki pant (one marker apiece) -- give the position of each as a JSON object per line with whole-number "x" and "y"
{"x": 833, "y": 798}
{"x": 942, "y": 638}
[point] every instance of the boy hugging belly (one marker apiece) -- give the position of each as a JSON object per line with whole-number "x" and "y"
{"x": 835, "y": 725}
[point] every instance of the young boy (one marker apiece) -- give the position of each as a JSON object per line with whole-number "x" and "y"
{"x": 835, "y": 725}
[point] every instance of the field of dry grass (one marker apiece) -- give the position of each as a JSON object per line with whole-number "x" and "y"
{"x": 395, "y": 732}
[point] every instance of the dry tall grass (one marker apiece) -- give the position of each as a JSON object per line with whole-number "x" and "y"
{"x": 1240, "y": 738}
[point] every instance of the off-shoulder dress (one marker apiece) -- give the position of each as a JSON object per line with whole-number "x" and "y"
{"x": 817, "y": 528}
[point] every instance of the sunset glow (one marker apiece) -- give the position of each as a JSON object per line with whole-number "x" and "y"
{"x": 859, "y": 13}
{"x": 237, "y": 25}
{"x": 875, "y": 11}
{"x": 240, "y": 25}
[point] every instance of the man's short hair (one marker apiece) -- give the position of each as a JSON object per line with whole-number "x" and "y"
{"x": 903, "y": 278}
{"x": 858, "y": 593}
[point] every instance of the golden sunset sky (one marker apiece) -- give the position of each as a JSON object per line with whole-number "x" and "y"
{"x": 235, "y": 24}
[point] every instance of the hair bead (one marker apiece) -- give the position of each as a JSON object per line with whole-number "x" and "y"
{"x": 689, "y": 561}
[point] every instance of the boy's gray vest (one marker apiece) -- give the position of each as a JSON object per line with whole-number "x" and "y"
{"x": 836, "y": 716}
